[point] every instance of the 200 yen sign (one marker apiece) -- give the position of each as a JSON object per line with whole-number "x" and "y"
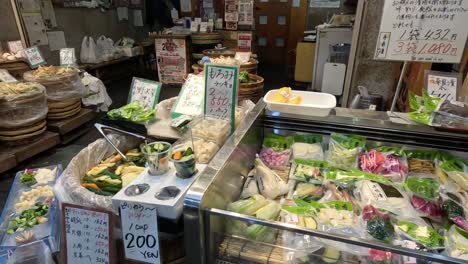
{"x": 140, "y": 241}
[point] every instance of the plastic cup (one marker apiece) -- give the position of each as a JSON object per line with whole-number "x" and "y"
{"x": 184, "y": 168}
{"x": 157, "y": 162}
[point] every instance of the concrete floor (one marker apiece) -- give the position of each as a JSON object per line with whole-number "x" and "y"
{"x": 118, "y": 91}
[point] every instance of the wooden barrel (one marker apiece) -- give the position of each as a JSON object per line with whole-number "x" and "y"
{"x": 251, "y": 91}
{"x": 250, "y": 67}
{"x": 16, "y": 68}
{"x": 206, "y": 38}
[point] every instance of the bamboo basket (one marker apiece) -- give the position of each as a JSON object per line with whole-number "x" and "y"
{"x": 251, "y": 91}
{"x": 250, "y": 67}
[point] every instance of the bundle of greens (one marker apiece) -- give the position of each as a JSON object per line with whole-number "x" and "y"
{"x": 244, "y": 77}
{"x": 132, "y": 112}
{"x": 424, "y": 235}
{"x": 344, "y": 150}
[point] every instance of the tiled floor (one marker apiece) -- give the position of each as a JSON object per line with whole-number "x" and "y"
{"x": 118, "y": 91}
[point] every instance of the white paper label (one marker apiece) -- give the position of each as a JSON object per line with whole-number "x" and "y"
{"x": 243, "y": 57}
{"x": 34, "y": 56}
{"x": 244, "y": 40}
{"x": 5, "y": 76}
{"x": 204, "y": 27}
{"x": 140, "y": 232}
{"x": 87, "y": 234}
{"x": 429, "y": 31}
{"x": 194, "y": 27}
{"x": 442, "y": 86}
{"x": 190, "y": 99}
{"x": 67, "y": 57}
{"x": 145, "y": 92}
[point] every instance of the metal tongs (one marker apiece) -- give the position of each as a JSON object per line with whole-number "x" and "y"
{"x": 101, "y": 128}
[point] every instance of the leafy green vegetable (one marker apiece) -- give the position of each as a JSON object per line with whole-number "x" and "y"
{"x": 380, "y": 228}
{"x": 426, "y": 188}
{"x": 451, "y": 209}
{"x": 28, "y": 179}
{"x": 28, "y": 218}
{"x": 453, "y": 165}
{"x": 338, "y": 205}
{"x": 132, "y": 112}
{"x": 277, "y": 142}
{"x": 244, "y": 77}
{"x": 310, "y": 138}
{"x": 421, "y": 117}
{"x": 430, "y": 102}
{"x": 422, "y": 234}
{"x": 415, "y": 102}
{"x": 349, "y": 177}
{"x": 349, "y": 141}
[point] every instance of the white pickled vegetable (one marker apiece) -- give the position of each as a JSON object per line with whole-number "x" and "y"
{"x": 250, "y": 186}
{"x": 307, "y": 151}
{"x": 269, "y": 183}
{"x": 248, "y": 206}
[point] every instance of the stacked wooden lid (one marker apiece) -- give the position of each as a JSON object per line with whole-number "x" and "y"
{"x": 253, "y": 90}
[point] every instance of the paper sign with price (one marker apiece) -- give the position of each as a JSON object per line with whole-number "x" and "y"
{"x": 145, "y": 92}
{"x": 140, "y": 232}
{"x": 87, "y": 235}
{"x": 34, "y": 57}
{"x": 443, "y": 84}
{"x": 15, "y": 46}
{"x": 221, "y": 85}
{"x": 190, "y": 99}
{"x": 431, "y": 31}
{"x": 67, "y": 57}
{"x": 5, "y": 76}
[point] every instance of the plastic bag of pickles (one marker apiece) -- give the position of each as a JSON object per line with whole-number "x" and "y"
{"x": 68, "y": 187}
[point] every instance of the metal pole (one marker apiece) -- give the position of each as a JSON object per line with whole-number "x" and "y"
{"x": 400, "y": 83}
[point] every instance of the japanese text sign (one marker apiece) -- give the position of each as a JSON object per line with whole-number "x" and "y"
{"x": 67, "y": 57}
{"x": 442, "y": 84}
{"x": 15, "y": 46}
{"x": 145, "y": 92}
{"x": 5, "y": 76}
{"x": 423, "y": 30}
{"x": 190, "y": 99}
{"x": 140, "y": 232}
{"x": 34, "y": 56}
{"x": 221, "y": 85}
{"x": 87, "y": 234}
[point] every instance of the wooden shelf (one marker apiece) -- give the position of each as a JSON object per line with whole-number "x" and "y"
{"x": 69, "y": 124}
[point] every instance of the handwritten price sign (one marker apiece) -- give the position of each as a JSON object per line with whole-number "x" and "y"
{"x": 67, "y": 57}
{"x": 190, "y": 99}
{"x": 423, "y": 31}
{"x": 87, "y": 234}
{"x": 145, "y": 92}
{"x": 140, "y": 232}
{"x": 34, "y": 57}
{"x": 221, "y": 85}
{"x": 443, "y": 84}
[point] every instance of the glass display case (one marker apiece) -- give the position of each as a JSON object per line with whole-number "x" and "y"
{"x": 209, "y": 235}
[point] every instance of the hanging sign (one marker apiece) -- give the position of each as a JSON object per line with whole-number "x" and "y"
{"x": 145, "y": 92}
{"x": 171, "y": 54}
{"x": 15, "y": 46}
{"x": 5, "y": 76}
{"x": 221, "y": 85}
{"x": 429, "y": 31}
{"x": 245, "y": 12}
{"x": 442, "y": 84}
{"x": 230, "y": 11}
{"x": 140, "y": 232}
{"x": 34, "y": 57}
{"x": 190, "y": 99}
{"x": 67, "y": 57}
{"x": 87, "y": 233}
{"x": 244, "y": 41}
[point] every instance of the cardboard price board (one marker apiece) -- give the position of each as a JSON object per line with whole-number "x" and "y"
{"x": 140, "y": 232}
{"x": 429, "y": 31}
{"x": 190, "y": 99}
{"x": 34, "y": 57}
{"x": 244, "y": 41}
{"x": 145, "y": 92}
{"x": 172, "y": 56}
{"x": 221, "y": 86}
{"x": 5, "y": 76}
{"x": 442, "y": 84}
{"x": 67, "y": 57}
{"x": 87, "y": 234}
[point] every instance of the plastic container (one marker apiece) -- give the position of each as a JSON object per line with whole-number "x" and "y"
{"x": 211, "y": 129}
{"x": 313, "y": 103}
{"x": 185, "y": 168}
{"x": 157, "y": 162}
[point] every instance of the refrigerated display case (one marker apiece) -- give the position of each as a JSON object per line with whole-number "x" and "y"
{"x": 221, "y": 183}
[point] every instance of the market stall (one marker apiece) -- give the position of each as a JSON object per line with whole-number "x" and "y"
{"x": 351, "y": 186}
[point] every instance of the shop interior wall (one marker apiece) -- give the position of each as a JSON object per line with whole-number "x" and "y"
{"x": 8, "y": 29}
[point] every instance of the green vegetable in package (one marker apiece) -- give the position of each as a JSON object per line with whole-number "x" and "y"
{"x": 132, "y": 112}
{"x": 309, "y": 138}
{"x": 277, "y": 143}
{"x": 343, "y": 150}
{"x": 422, "y": 234}
{"x": 248, "y": 206}
{"x": 426, "y": 188}
{"x": 349, "y": 177}
{"x": 415, "y": 102}
{"x": 421, "y": 117}
{"x": 430, "y": 102}
{"x": 260, "y": 232}
{"x": 380, "y": 228}
{"x": 453, "y": 165}
{"x": 349, "y": 141}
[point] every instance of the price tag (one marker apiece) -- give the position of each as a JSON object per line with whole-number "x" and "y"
{"x": 443, "y": 84}
{"x": 67, "y": 57}
{"x": 429, "y": 31}
{"x": 87, "y": 235}
{"x": 204, "y": 27}
{"x": 194, "y": 27}
{"x": 34, "y": 57}
{"x": 15, "y": 46}
{"x": 242, "y": 57}
{"x": 190, "y": 99}
{"x": 221, "y": 85}
{"x": 5, "y": 76}
{"x": 145, "y": 92}
{"x": 140, "y": 232}
{"x": 244, "y": 41}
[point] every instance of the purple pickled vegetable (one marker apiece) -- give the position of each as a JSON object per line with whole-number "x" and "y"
{"x": 460, "y": 222}
{"x": 369, "y": 211}
{"x": 431, "y": 209}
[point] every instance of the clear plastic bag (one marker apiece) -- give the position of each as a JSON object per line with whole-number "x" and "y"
{"x": 23, "y": 109}
{"x": 386, "y": 164}
{"x": 68, "y": 188}
{"x": 95, "y": 93}
{"x": 457, "y": 243}
{"x": 89, "y": 52}
{"x": 343, "y": 150}
{"x": 276, "y": 151}
{"x": 59, "y": 87}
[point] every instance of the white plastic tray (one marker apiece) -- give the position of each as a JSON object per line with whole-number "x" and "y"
{"x": 313, "y": 103}
{"x": 172, "y": 208}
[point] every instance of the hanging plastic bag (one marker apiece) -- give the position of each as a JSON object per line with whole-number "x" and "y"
{"x": 95, "y": 93}
{"x": 106, "y": 48}
{"x": 89, "y": 52}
